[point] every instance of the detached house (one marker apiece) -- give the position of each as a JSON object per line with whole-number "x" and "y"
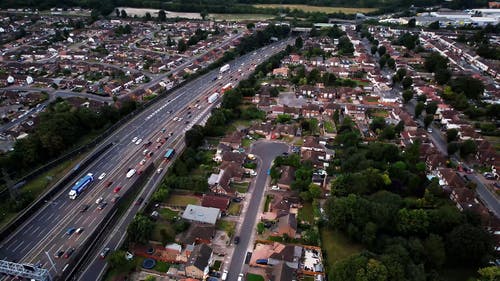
{"x": 199, "y": 262}
{"x": 287, "y": 177}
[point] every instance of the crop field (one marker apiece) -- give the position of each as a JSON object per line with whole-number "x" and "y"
{"x": 328, "y": 10}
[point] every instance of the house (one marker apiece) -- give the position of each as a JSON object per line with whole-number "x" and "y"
{"x": 463, "y": 197}
{"x": 317, "y": 158}
{"x": 486, "y": 153}
{"x": 198, "y": 233}
{"x": 448, "y": 177}
{"x": 199, "y": 262}
{"x": 286, "y": 224}
{"x": 215, "y": 201}
{"x": 284, "y": 130}
{"x": 311, "y": 143}
{"x": 233, "y": 140}
{"x": 201, "y": 214}
{"x": 283, "y": 272}
{"x": 435, "y": 161}
{"x": 287, "y": 177}
{"x": 229, "y": 172}
{"x": 281, "y": 72}
{"x": 311, "y": 110}
{"x": 263, "y": 129}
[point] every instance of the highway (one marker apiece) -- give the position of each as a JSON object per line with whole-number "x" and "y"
{"x": 45, "y": 230}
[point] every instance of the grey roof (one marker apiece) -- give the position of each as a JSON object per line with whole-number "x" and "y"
{"x": 200, "y": 256}
{"x": 201, "y": 214}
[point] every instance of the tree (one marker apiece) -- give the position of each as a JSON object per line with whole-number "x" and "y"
{"x": 412, "y": 23}
{"x": 260, "y": 228}
{"x": 435, "y": 61}
{"x": 442, "y": 76}
{"x": 467, "y": 148}
{"x": 471, "y": 87}
{"x": 123, "y": 14}
{"x": 407, "y": 82}
{"x": 378, "y": 123}
{"x": 391, "y": 63}
{"x": 467, "y": 244}
{"x": 162, "y": 16}
{"x": 373, "y": 49}
{"x": 150, "y": 278}
{"x": 434, "y": 25}
{"x": 181, "y": 46}
{"x": 490, "y": 273}
{"x": 194, "y": 137}
{"x": 431, "y": 108}
{"x": 381, "y": 50}
{"x": 251, "y": 26}
{"x": 407, "y": 95}
{"x": 451, "y": 135}
{"x": 419, "y": 108}
{"x": 428, "y": 120}
{"x": 345, "y": 46}
{"x": 204, "y": 14}
{"x": 299, "y": 43}
{"x": 315, "y": 191}
{"x": 435, "y": 251}
{"x": 140, "y": 229}
{"x": 169, "y": 41}
{"x": 118, "y": 261}
{"x": 453, "y": 147}
{"x": 117, "y": 12}
{"x": 147, "y": 16}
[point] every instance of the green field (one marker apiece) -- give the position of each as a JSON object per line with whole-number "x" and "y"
{"x": 306, "y": 212}
{"x": 182, "y": 200}
{"x": 240, "y": 17}
{"x": 337, "y": 246}
{"x": 328, "y": 10}
{"x": 254, "y": 277}
{"x": 168, "y": 214}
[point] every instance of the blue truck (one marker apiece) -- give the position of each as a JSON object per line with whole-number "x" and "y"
{"x": 81, "y": 185}
{"x": 169, "y": 154}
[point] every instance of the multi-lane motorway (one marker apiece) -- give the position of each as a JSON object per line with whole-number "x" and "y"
{"x": 45, "y": 231}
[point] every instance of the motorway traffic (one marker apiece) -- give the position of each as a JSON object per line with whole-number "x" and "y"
{"x": 52, "y": 231}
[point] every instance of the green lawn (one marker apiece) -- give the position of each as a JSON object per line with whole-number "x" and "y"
{"x": 234, "y": 209}
{"x": 157, "y": 231}
{"x": 240, "y": 187}
{"x": 227, "y": 226}
{"x": 161, "y": 266}
{"x": 329, "y": 127}
{"x": 168, "y": 214}
{"x": 182, "y": 200}
{"x": 246, "y": 142}
{"x": 254, "y": 277}
{"x": 306, "y": 212}
{"x": 337, "y": 246}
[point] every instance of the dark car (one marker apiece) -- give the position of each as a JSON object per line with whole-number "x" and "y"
{"x": 139, "y": 201}
{"x": 109, "y": 183}
{"x": 69, "y": 252}
{"x": 237, "y": 199}
{"x": 236, "y": 240}
{"x": 59, "y": 254}
{"x": 104, "y": 253}
{"x": 70, "y": 230}
{"x": 84, "y": 208}
{"x": 115, "y": 199}
{"x": 102, "y": 205}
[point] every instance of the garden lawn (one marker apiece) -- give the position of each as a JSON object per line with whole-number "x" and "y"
{"x": 182, "y": 200}
{"x": 254, "y": 277}
{"x": 227, "y": 226}
{"x": 241, "y": 187}
{"x": 337, "y": 246}
{"x": 161, "y": 266}
{"x": 306, "y": 212}
{"x": 329, "y": 127}
{"x": 168, "y": 214}
{"x": 234, "y": 209}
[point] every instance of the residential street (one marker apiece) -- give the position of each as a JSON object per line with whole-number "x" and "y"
{"x": 266, "y": 152}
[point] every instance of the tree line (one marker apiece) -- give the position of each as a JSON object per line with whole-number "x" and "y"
{"x": 409, "y": 227}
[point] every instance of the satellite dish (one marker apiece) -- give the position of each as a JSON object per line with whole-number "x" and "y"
{"x": 29, "y": 79}
{"x": 10, "y": 79}
{"x": 70, "y": 40}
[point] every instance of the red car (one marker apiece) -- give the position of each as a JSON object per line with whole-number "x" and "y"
{"x": 109, "y": 183}
{"x": 117, "y": 189}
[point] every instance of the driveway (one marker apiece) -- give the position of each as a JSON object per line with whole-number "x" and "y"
{"x": 266, "y": 152}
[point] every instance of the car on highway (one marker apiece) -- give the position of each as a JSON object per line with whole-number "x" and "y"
{"x": 102, "y": 176}
{"x": 145, "y": 151}
{"x": 163, "y": 130}
{"x": 58, "y": 254}
{"x": 139, "y": 201}
{"x": 102, "y": 205}
{"x": 159, "y": 170}
{"x": 79, "y": 230}
{"x": 134, "y": 139}
{"x": 70, "y": 230}
{"x": 175, "y": 118}
{"x": 117, "y": 189}
{"x": 138, "y": 141}
{"x": 69, "y": 252}
{"x": 115, "y": 199}
{"x": 142, "y": 162}
{"x": 84, "y": 208}
{"x": 99, "y": 200}
{"x": 236, "y": 240}
{"x": 108, "y": 184}
{"x": 104, "y": 253}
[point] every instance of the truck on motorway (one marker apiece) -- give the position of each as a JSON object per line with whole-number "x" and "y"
{"x": 81, "y": 185}
{"x": 226, "y": 87}
{"x": 213, "y": 97}
{"x": 224, "y": 68}
{"x": 130, "y": 173}
{"x": 169, "y": 154}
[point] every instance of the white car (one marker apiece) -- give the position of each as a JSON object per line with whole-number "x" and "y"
{"x": 142, "y": 162}
{"x": 138, "y": 141}
{"x": 175, "y": 118}
{"x": 240, "y": 277}
{"x": 275, "y": 187}
{"x": 99, "y": 200}
{"x": 180, "y": 119}
{"x": 134, "y": 139}
{"x": 102, "y": 176}
{"x": 224, "y": 275}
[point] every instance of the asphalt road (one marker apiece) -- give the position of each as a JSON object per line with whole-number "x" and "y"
{"x": 45, "y": 230}
{"x": 266, "y": 152}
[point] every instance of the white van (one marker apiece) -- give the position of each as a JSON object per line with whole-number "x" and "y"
{"x": 224, "y": 275}
{"x": 130, "y": 173}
